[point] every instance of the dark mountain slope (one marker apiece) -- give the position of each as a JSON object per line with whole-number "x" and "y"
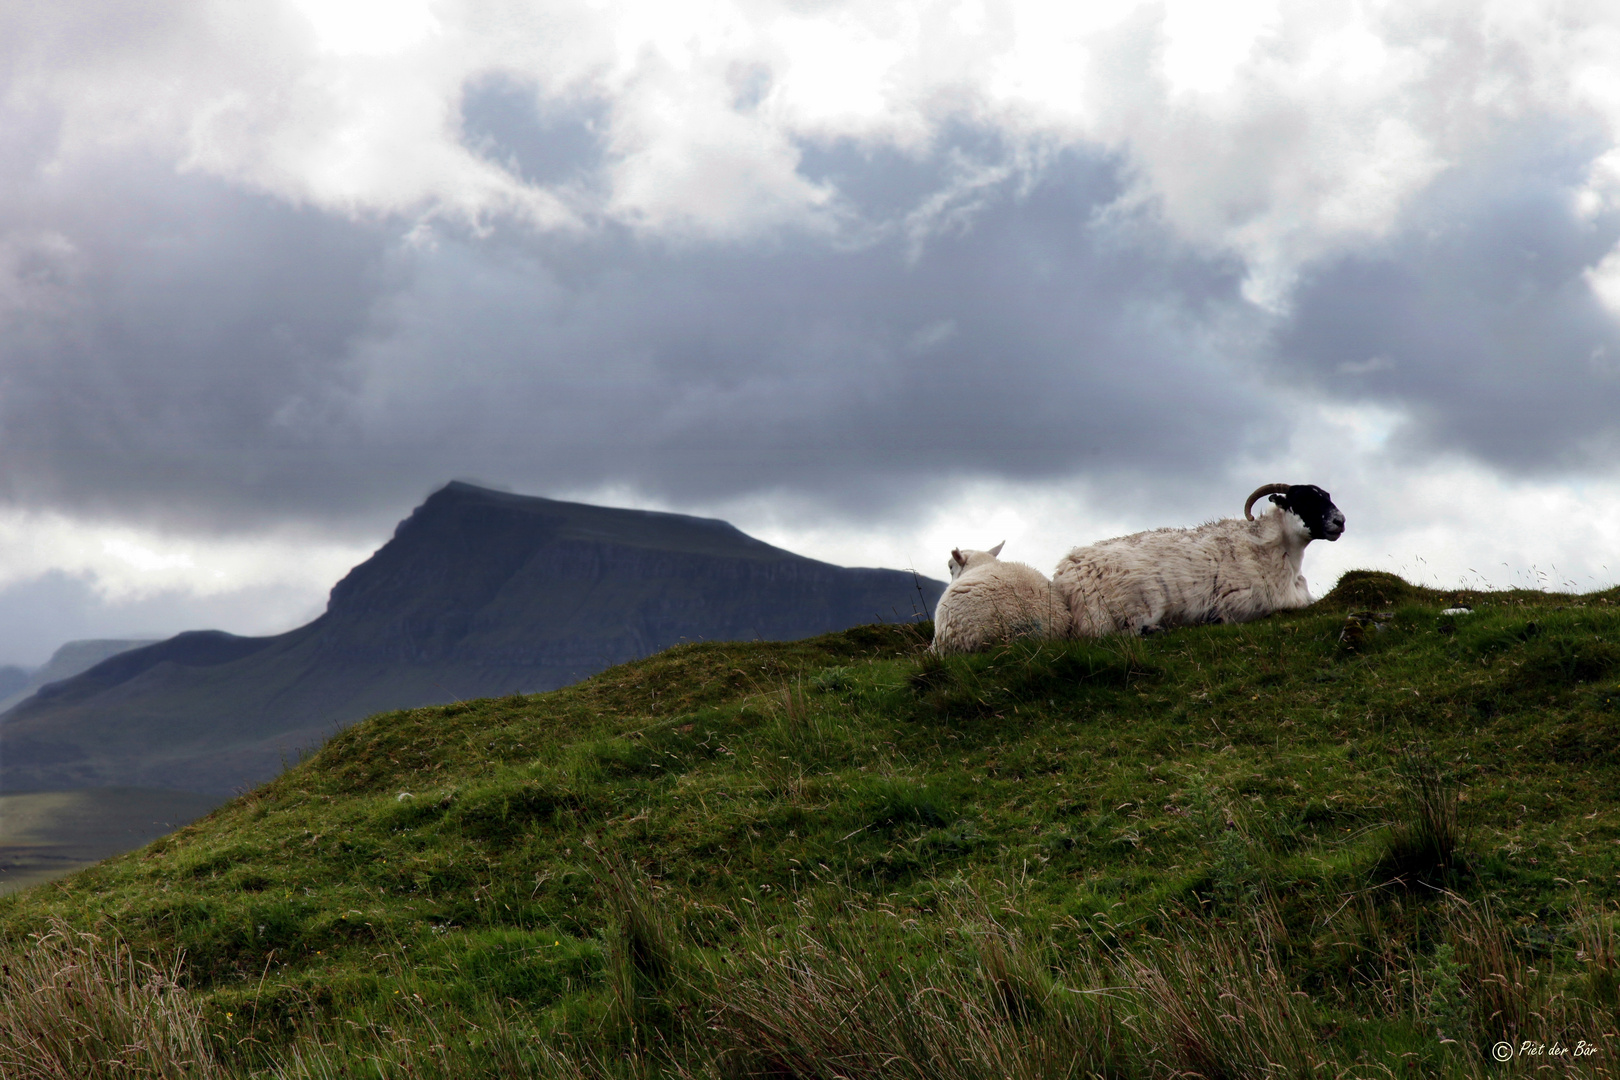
{"x": 479, "y": 593}
{"x": 68, "y": 660}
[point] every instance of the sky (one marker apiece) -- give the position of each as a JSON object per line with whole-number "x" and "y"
{"x": 869, "y": 280}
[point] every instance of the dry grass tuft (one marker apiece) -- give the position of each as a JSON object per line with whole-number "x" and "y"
{"x": 829, "y": 1002}
{"x": 640, "y": 944}
{"x": 1428, "y": 841}
{"x": 73, "y": 1007}
{"x": 1213, "y": 1000}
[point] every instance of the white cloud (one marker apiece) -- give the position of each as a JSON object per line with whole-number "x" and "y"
{"x": 1446, "y": 525}
{"x": 1038, "y": 521}
{"x": 1276, "y": 130}
{"x": 125, "y": 564}
{"x": 1206, "y": 45}
{"x": 1604, "y": 278}
{"x": 1456, "y": 524}
{"x": 369, "y": 27}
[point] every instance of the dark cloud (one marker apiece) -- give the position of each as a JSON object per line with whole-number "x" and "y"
{"x": 1031, "y": 339}
{"x": 1478, "y": 318}
{"x": 202, "y": 354}
{"x": 882, "y": 183}
{"x": 176, "y": 347}
{"x": 183, "y": 352}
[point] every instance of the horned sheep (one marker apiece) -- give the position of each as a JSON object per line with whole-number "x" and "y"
{"x": 1225, "y": 571}
{"x": 990, "y": 602}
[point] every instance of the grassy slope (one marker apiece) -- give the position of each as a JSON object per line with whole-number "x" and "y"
{"x": 1084, "y": 803}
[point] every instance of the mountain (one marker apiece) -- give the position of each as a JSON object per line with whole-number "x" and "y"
{"x": 479, "y": 593}
{"x": 17, "y": 683}
{"x": 14, "y": 682}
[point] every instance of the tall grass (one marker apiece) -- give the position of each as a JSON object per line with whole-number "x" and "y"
{"x": 1427, "y": 841}
{"x": 1206, "y": 999}
{"x": 640, "y": 946}
{"x": 832, "y": 1001}
{"x": 851, "y": 988}
{"x": 1213, "y": 999}
{"x": 81, "y": 1006}
{"x": 418, "y": 1041}
{"x": 75, "y": 1007}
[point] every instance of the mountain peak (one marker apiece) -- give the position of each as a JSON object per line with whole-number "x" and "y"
{"x": 479, "y": 593}
{"x": 461, "y": 500}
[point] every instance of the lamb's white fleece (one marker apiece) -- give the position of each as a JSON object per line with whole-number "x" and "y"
{"x": 990, "y": 602}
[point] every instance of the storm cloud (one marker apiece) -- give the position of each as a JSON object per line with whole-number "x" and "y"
{"x": 1034, "y": 340}
{"x": 174, "y": 341}
{"x": 214, "y": 352}
{"x": 1479, "y": 317}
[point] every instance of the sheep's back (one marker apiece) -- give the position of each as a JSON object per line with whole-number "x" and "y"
{"x": 1226, "y": 571}
{"x": 992, "y": 603}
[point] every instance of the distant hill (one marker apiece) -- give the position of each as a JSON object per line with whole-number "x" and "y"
{"x": 17, "y": 683}
{"x": 13, "y": 684}
{"x": 479, "y": 593}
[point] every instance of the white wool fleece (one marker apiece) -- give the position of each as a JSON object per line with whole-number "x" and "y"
{"x": 990, "y": 602}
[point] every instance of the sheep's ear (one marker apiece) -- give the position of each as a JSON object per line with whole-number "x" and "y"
{"x": 997, "y": 549}
{"x": 956, "y": 557}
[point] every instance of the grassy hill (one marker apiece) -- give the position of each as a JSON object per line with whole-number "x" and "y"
{"x": 1362, "y": 839}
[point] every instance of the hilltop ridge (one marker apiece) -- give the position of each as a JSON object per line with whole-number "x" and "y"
{"x": 1360, "y": 838}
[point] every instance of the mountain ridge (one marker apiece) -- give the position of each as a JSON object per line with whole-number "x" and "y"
{"x": 477, "y": 593}
{"x": 18, "y": 683}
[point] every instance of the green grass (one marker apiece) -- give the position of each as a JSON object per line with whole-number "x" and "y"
{"x": 1361, "y": 839}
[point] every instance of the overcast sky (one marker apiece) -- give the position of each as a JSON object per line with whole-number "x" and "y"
{"x": 870, "y": 280}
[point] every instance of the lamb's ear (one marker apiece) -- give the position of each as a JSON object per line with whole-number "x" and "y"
{"x": 997, "y": 549}
{"x": 956, "y": 557}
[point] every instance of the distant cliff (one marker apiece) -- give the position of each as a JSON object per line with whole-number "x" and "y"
{"x": 479, "y": 593}
{"x": 17, "y": 683}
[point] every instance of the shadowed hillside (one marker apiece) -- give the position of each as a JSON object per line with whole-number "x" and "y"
{"x": 19, "y": 684}
{"x": 479, "y": 593}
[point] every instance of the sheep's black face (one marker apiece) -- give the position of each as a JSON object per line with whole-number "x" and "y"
{"x": 1315, "y": 508}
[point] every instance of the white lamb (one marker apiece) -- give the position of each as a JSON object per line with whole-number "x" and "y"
{"x": 990, "y": 602}
{"x": 1224, "y": 572}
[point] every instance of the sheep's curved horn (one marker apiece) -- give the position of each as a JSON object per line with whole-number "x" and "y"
{"x": 1260, "y": 493}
